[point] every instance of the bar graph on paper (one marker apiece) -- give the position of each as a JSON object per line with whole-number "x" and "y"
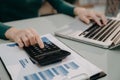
{"x": 52, "y": 73}
{"x": 23, "y": 62}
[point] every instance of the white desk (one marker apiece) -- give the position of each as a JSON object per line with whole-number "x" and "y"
{"x": 108, "y": 60}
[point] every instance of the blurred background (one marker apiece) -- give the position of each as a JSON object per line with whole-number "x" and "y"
{"x": 109, "y": 7}
{"x": 98, "y": 5}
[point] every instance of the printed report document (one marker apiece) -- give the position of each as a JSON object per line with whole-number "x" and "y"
{"x": 73, "y": 67}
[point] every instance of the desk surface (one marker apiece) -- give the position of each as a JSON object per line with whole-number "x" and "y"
{"x": 108, "y": 60}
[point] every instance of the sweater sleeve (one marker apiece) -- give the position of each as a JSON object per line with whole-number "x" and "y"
{"x": 62, "y": 7}
{"x": 3, "y": 29}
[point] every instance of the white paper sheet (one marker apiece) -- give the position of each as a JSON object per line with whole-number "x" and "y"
{"x": 22, "y": 68}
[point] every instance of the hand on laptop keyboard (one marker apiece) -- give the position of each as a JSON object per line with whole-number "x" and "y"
{"x": 87, "y": 15}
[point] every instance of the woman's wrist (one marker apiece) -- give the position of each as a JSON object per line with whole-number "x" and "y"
{"x": 10, "y": 33}
{"x": 77, "y": 10}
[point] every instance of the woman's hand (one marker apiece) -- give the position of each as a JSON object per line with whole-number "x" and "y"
{"x": 86, "y": 15}
{"x": 24, "y": 37}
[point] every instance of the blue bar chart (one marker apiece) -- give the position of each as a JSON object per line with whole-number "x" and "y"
{"x": 49, "y": 74}
{"x": 23, "y": 62}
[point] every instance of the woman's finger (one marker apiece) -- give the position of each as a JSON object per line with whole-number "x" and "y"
{"x": 85, "y": 19}
{"x": 97, "y": 20}
{"x": 31, "y": 37}
{"x": 19, "y": 41}
{"x": 40, "y": 42}
{"x": 102, "y": 17}
{"x": 37, "y": 38}
{"x": 25, "y": 40}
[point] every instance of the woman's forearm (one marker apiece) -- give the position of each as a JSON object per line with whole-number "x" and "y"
{"x": 62, "y": 7}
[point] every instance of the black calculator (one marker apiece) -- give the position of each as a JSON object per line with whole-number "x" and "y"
{"x": 48, "y": 55}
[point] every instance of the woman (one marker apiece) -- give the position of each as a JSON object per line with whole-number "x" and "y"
{"x": 21, "y": 9}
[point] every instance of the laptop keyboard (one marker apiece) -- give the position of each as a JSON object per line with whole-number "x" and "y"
{"x": 48, "y": 55}
{"x": 109, "y": 32}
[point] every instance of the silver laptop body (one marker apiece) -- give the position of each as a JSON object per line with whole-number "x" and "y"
{"x": 107, "y": 36}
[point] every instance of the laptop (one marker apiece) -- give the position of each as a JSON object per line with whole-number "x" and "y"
{"x": 107, "y": 36}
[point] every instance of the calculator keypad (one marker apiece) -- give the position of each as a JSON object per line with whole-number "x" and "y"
{"x": 50, "y": 52}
